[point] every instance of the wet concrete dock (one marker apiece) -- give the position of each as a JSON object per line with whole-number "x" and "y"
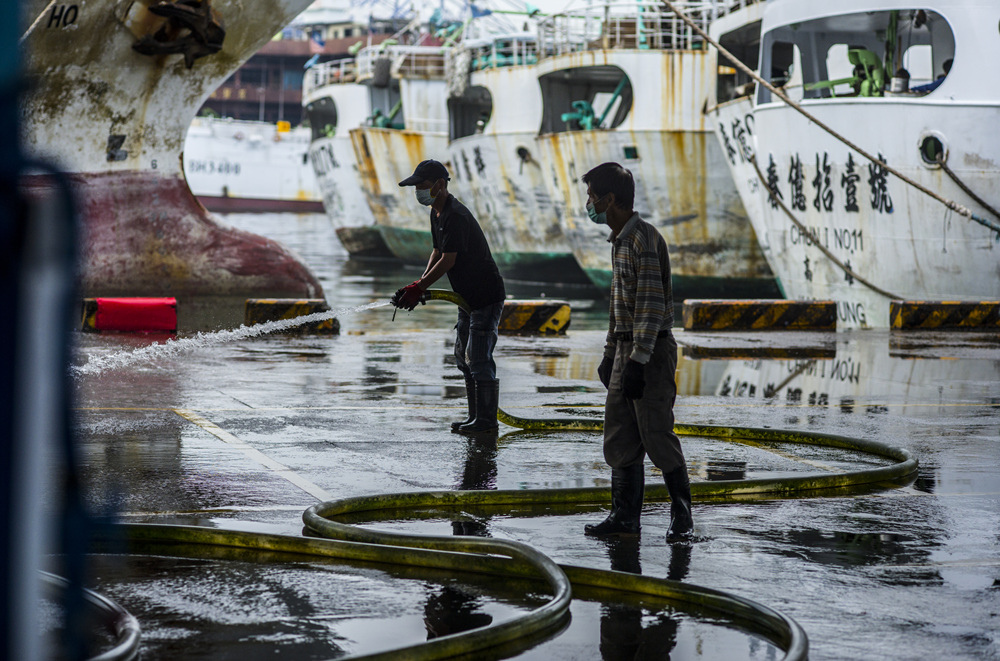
{"x": 248, "y": 434}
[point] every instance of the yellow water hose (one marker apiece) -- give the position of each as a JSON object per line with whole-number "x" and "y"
{"x": 509, "y": 558}
{"x": 118, "y": 622}
{"x": 459, "y": 554}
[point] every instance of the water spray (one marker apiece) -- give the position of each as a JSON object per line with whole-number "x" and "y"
{"x": 173, "y": 347}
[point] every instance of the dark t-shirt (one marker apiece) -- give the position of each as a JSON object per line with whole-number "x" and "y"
{"x": 474, "y": 276}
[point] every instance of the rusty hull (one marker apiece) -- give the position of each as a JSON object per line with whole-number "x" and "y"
{"x": 385, "y": 157}
{"x": 682, "y": 187}
{"x": 116, "y": 119}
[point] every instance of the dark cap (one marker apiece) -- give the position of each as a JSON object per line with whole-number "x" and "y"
{"x": 426, "y": 171}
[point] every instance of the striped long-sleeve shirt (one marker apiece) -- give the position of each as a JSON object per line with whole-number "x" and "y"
{"x": 642, "y": 301}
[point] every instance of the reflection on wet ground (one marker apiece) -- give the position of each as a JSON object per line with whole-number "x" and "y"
{"x": 901, "y": 573}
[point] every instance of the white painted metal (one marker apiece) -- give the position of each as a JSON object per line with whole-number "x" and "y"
{"x": 681, "y": 185}
{"x": 248, "y": 160}
{"x": 386, "y": 156}
{"x": 897, "y": 238}
{"x": 497, "y": 170}
{"x": 96, "y": 87}
{"x": 330, "y": 152}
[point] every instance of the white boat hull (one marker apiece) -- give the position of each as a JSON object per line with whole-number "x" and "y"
{"x": 235, "y": 165}
{"x": 892, "y": 235}
{"x": 511, "y": 200}
{"x": 680, "y": 175}
{"x": 385, "y": 157}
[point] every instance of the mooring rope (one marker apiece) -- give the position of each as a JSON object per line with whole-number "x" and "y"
{"x": 816, "y": 242}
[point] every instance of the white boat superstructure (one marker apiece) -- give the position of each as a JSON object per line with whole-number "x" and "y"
{"x": 627, "y": 82}
{"x": 408, "y": 124}
{"x": 495, "y": 110}
{"x": 335, "y": 102}
{"x": 234, "y": 165}
{"x": 904, "y": 83}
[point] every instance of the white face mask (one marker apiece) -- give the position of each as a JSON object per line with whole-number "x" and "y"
{"x": 424, "y": 196}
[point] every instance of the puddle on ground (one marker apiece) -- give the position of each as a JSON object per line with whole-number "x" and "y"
{"x": 889, "y": 573}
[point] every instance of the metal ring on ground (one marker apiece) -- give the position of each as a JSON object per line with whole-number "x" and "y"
{"x": 118, "y": 621}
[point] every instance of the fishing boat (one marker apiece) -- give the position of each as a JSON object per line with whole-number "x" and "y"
{"x": 408, "y": 124}
{"x": 834, "y": 223}
{"x": 240, "y": 165}
{"x": 335, "y": 102}
{"x": 494, "y": 112}
{"x": 113, "y": 89}
{"x": 627, "y": 82}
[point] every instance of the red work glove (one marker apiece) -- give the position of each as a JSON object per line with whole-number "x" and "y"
{"x": 408, "y": 297}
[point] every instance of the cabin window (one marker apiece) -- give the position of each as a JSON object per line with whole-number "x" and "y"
{"x": 469, "y": 113}
{"x": 744, "y": 43}
{"x": 585, "y": 98}
{"x": 903, "y": 52}
{"x": 322, "y": 115}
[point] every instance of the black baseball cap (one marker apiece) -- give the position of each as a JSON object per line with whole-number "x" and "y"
{"x": 426, "y": 171}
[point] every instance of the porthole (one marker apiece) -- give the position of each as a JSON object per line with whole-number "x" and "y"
{"x": 933, "y": 148}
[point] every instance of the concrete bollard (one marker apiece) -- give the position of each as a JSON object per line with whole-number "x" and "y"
{"x": 541, "y": 317}
{"x": 262, "y": 310}
{"x": 944, "y": 315}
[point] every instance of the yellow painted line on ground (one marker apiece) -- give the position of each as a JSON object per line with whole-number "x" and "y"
{"x": 809, "y": 462}
{"x": 256, "y": 455}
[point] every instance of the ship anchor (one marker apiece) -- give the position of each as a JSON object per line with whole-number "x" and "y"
{"x": 192, "y": 29}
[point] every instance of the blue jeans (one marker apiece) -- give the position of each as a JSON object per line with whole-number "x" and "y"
{"x": 475, "y": 340}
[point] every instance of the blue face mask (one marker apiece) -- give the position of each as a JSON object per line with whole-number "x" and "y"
{"x": 598, "y": 218}
{"x": 424, "y": 196}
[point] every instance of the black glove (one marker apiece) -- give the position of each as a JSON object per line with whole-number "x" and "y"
{"x": 633, "y": 381}
{"x": 604, "y": 370}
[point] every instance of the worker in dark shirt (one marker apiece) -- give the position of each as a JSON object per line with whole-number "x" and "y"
{"x": 461, "y": 251}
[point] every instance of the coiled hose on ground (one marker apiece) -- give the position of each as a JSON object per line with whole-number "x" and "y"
{"x": 510, "y": 558}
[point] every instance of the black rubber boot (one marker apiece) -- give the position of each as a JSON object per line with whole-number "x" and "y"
{"x": 626, "y": 503}
{"x": 487, "y": 400}
{"x": 681, "y": 523}
{"x": 470, "y": 393}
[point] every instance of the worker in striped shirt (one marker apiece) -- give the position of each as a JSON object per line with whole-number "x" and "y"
{"x": 640, "y": 358}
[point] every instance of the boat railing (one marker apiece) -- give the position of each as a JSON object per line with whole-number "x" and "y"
{"x": 515, "y": 51}
{"x": 637, "y": 25}
{"x": 402, "y": 62}
{"x": 329, "y": 73}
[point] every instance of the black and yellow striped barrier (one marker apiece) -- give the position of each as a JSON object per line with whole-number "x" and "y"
{"x": 704, "y": 315}
{"x": 541, "y": 317}
{"x": 263, "y": 310}
{"x": 944, "y": 315}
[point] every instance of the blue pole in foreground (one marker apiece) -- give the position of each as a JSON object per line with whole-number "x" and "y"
{"x": 18, "y": 641}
